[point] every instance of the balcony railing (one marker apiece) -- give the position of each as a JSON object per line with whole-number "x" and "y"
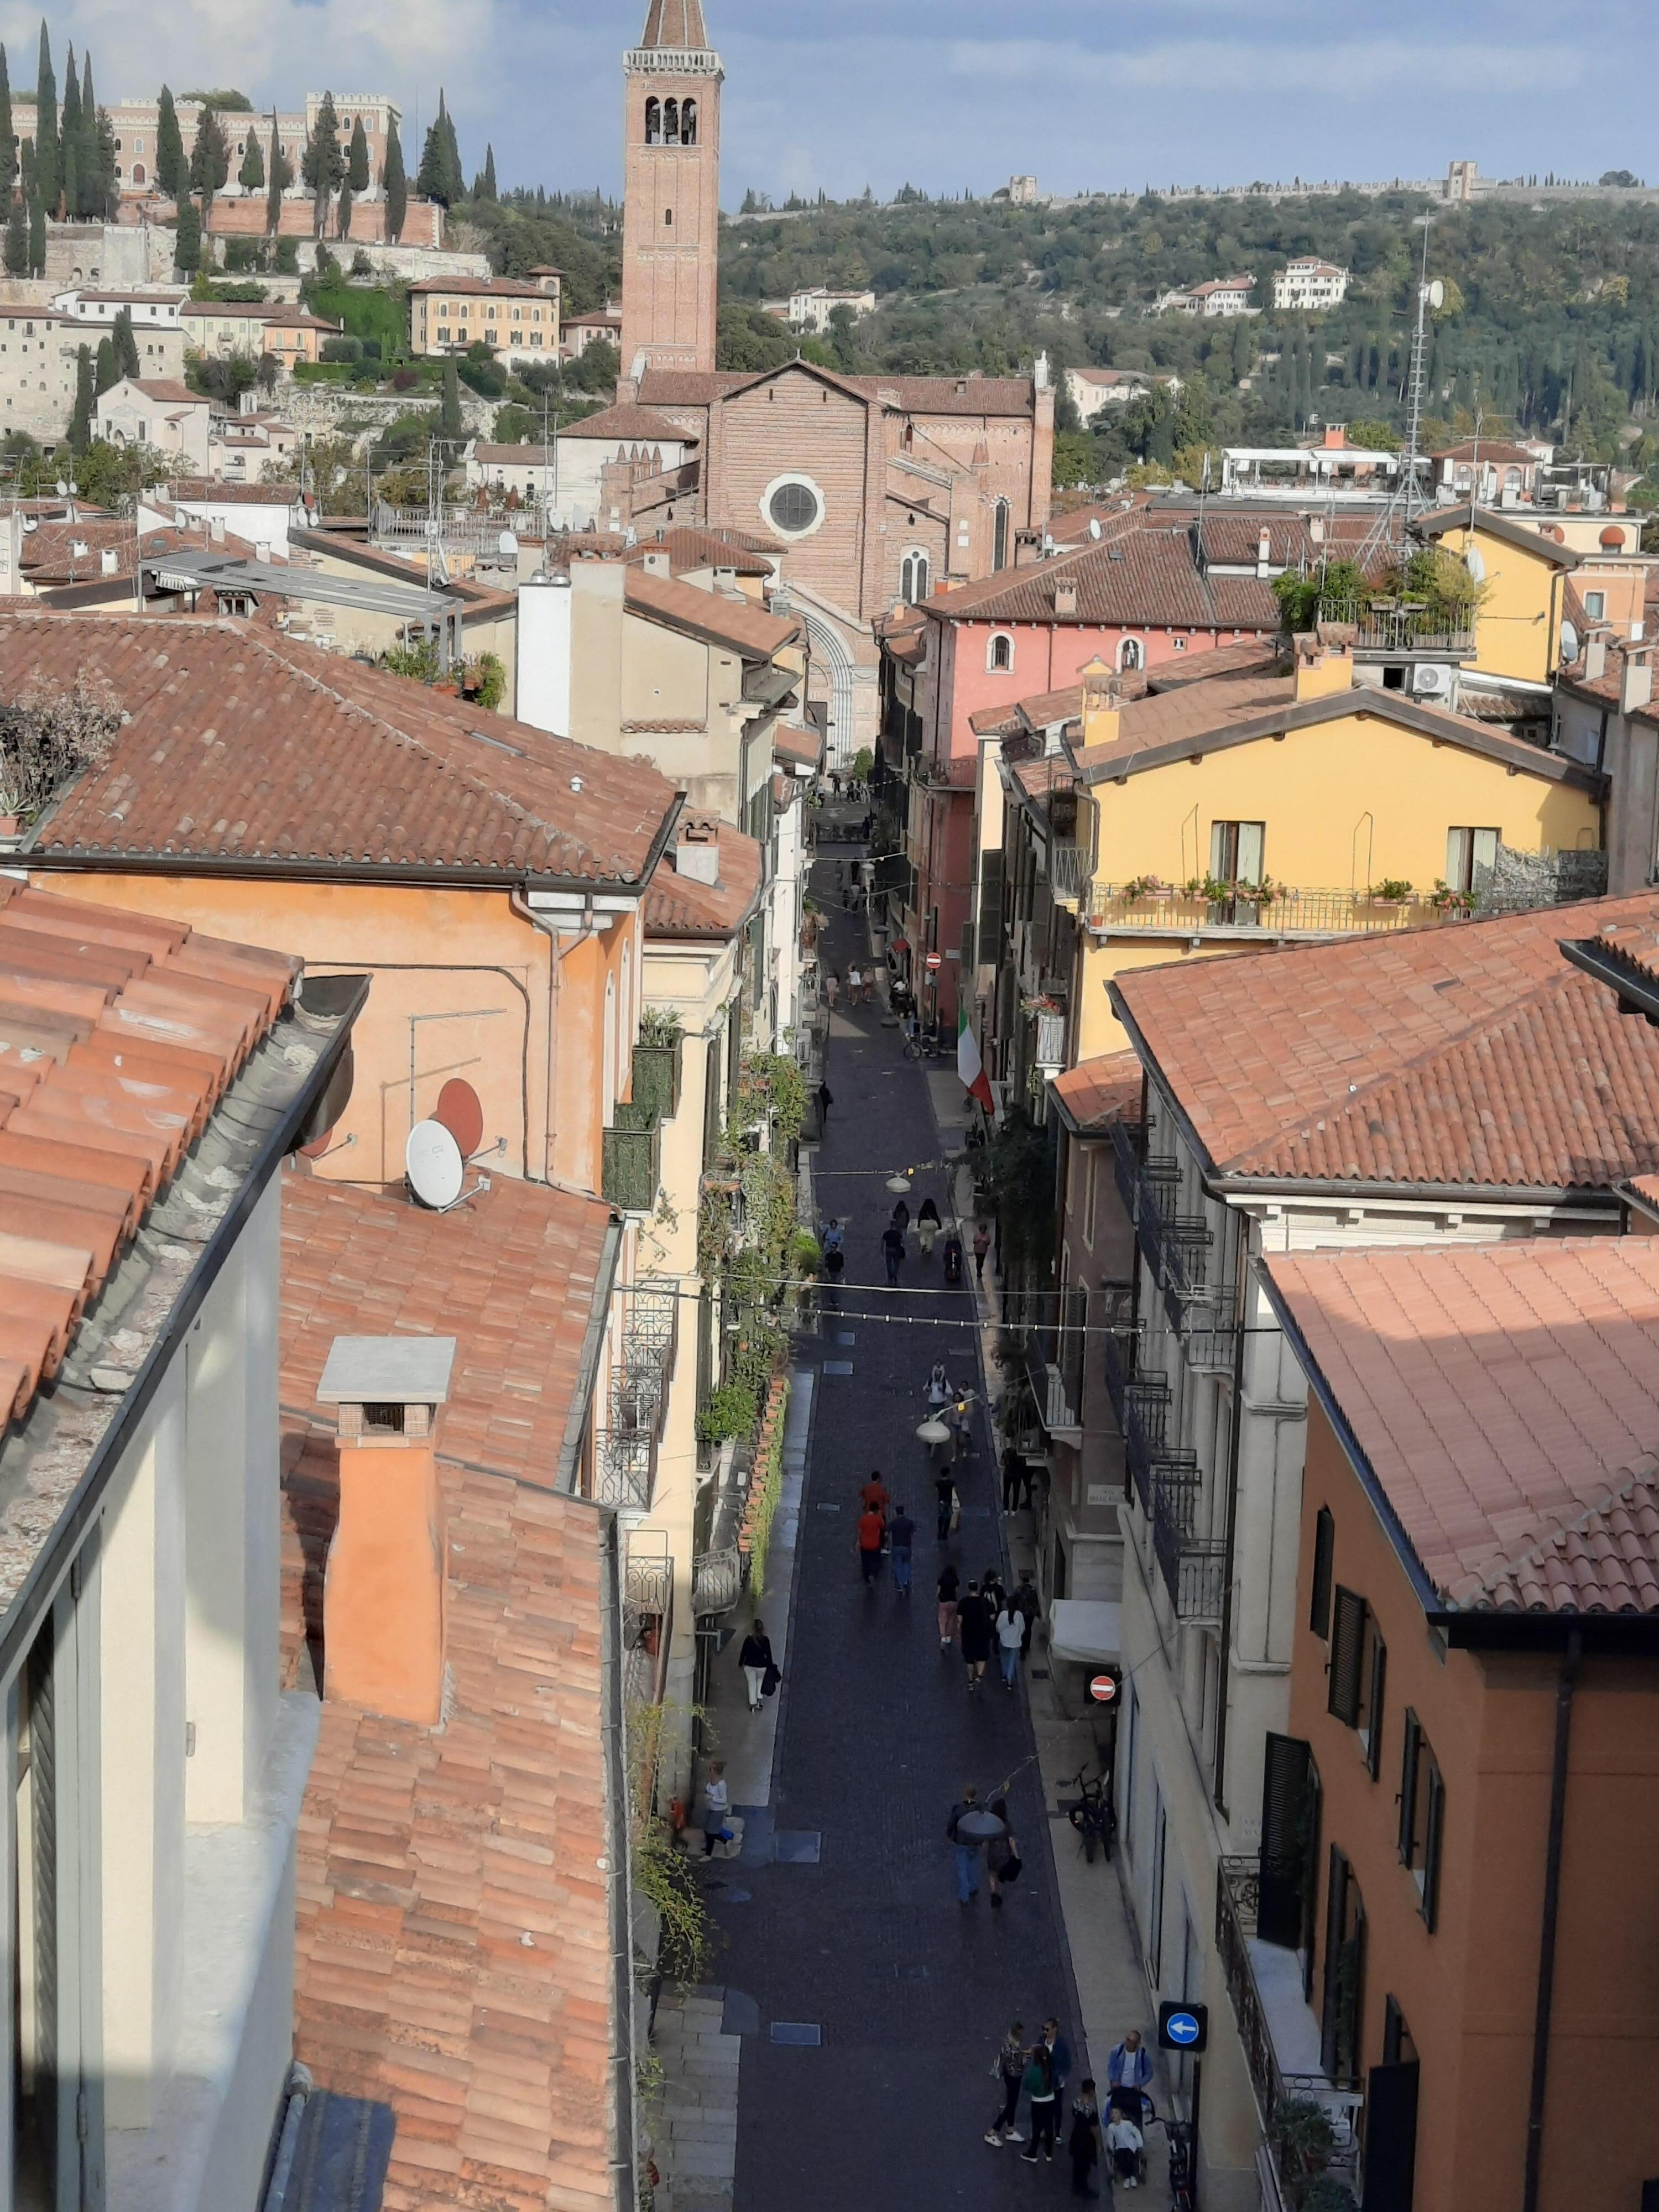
{"x": 647, "y": 1619}
{"x": 719, "y": 1579}
{"x": 625, "y": 1468}
{"x": 1238, "y": 1887}
{"x": 1401, "y": 626}
{"x": 1194, "y": 1567}
{"x": 1070, "y": 867}
{"x": 1175, "y": 912}
{"x": 1056, "y": 1395}
{"x": 1176, "y": 1245}
{"x": 632, "y": 1167}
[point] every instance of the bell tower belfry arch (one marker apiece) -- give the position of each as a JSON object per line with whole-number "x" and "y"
{"x": 672, "y": 191}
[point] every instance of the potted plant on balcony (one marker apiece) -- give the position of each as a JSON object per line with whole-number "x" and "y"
{"x": 1304, "y": 2139}
{"x": 1393, "y": 890}
{"x": 1445, "y": 901}
{"x": 1143, "y": 887}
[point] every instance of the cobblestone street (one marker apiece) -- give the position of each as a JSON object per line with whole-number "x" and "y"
{"x": 869, "y": 2003}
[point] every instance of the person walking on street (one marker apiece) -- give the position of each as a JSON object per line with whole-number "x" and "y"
{"x": 1029, "y": 1606}
{"x": 1083, "y": 2143}
{"x": 716, "y": 1804}
{"x": 901, "y": 1536}
{"x": 950, "y": 1581}
{"x": 1040, "y": 2088}
{"x": 1002, "y": 1859}
{"x": 892, "y": 1252}
{"x": 901, "y": 1216}
{"x": 825, "y": 1101}
{"x": 1016, "y": 1480}
{"x": 981, "y": 1242}
{"x": 832, "y": 989}
{"x": 876, "y": 1493}
{"x": 973, "y": 1625}
{"x": 871, "y": 1531}
{"x": 756, "y": 1662}
{"x": 1008, "y": 2068}
{"x": 1059, "y": 2058}
{"x": 990, "y": 1589}
{"x": 966, "y": 1850}
{"x": 944, "y": 1493}
{"x": 854, "y": 978}
{"x": 1011, "y": 1632}
{"x": 927, "y": 1227}
{"x": 939, "y": 1386}
{"x": 959, "y": 1418}
{"x": 1128, "y": 2074}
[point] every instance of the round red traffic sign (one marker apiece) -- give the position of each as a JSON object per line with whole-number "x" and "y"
{"x": 1103, "y": 1689}
{"x": 936, "y": 960}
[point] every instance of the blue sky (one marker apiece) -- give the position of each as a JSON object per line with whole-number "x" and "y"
{"x": 943, "y": 93}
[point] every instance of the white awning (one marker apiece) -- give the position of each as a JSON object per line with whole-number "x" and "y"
{"x": 1085, "y": 1629}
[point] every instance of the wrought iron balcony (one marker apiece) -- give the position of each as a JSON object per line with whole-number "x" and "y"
{"x": 632, "y": 1166}
{"x": 1171, "y": 912}
{"x": 1176, "y": 1245}
{"x": 719, "y": 1579}
{"x": 1194, "y": 1567}
{"x": 1070, "y": 867}
{"x": 625, "y": 1468}
{"x": 647, "y": 1619}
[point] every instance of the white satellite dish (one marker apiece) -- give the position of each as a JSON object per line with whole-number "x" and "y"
{"x": 1569, "y": 640}
{"x": 1437, "y": 293}
{"x": 1475, "y": 562}
{"x": 507, "y": 546}
{"x": 1094, "y": 527}
{"x": 432, "y": 1161}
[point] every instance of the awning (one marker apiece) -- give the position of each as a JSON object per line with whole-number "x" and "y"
{"x": 1086, "y": 1630}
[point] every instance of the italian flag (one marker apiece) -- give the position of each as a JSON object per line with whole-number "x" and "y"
{"x": 970, "y": 1066}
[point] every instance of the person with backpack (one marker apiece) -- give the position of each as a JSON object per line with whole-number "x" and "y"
{"x": 1008, "y": 2069}
{"x": 1083, "y": 2141}
{"x": 1043, "y": 2090}
{"x": 1128, "y": 2074}
{"x": 1002, "y": 1859}
{"x": 964, "y": 1847}
{"x": 756, "y": 1662}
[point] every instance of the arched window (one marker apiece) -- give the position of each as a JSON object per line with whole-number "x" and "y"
{"x": 688, "y": 123}
{"x": 1464, "y": 478}
{"x": 654, "y": 123}
{"x": 668, "y": 218}
{"x": 1511, "y": 479}
{"x": 1000, "y": 652}
{"x": 1131, "y": 655}
{"x": 670, "y": 123}
{"x": 912, "y": 578}
{"x": 1000, "y": 535}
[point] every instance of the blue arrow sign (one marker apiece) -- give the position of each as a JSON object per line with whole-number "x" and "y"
{"x": 1181, "y": 2027}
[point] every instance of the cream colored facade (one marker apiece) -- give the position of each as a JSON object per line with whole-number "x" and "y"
{"x": 518, "y": 319}
{"x": 38, "y": 354}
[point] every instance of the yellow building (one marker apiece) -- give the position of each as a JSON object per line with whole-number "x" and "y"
{"x": 1523, "y": 576}
{"x": 1265, "y": 805}
{"x": 517, "y": 317}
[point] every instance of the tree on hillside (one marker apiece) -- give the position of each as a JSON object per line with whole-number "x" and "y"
{"x": 36, "y": 237}
{"x": 8, "y": 152}
{"x": 252, "y": 174}
{"x": 357, "y": 170}
{"x": 439, "y": 175}
{"x": 323, "y": 165}
{"x": 48, "y": 180}
{"x": 103, "y": 191}
{"x": 483, "y": 184}
{"x": 280, "y": 171}
{"x": 209, "y": 160}
{"x": 172, "y": 170}
{"x": 187, "y": 239}
{"x": 70, "y": 143}
{"x": 450, "y": 424}
{"x": 106, "y": 373}
{"x": 397, "y": 186}
{"x": 17, "y": 241}
{"x": 79, "y": 428}
{"x": 126, "y": 344}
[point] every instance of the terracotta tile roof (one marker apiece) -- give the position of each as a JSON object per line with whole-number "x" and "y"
{"x": 1487, "y": 449}
{"x": 679, "y": 906}
{"x": 737, "y": 622}
{"x": 630, "y": 424}
{"x": 1236, "y": 539}
{"x": 676, "y": 24}
{"x": 804, "y": 747}
{"x": 1097, "y": 1092}
{"x": 454, "y": 1927}
{"x": 1147, "y": 577}
{"x": 1526, "y": 538}
{"x": 120, "y": 1034}
{"x": 1249, "y": 656}
{"x": 1076, "y": 527}
{"x": 1471, "y": 1054}
{"x": 690, "y": 548}
{"x": 498, "y": 287}
{"x": 244, "y": 745}
{"x": 914, "y": 395}
{"x": 1506, "y": 1399}
{"x": 168, "y": 391}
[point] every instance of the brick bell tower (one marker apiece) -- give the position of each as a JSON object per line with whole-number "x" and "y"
{"x": 672, "y": 191}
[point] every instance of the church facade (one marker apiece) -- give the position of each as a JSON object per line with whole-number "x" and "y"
{"x": 870, "y": 490}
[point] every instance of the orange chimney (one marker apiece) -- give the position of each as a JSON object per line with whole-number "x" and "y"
{"x": 1324, "y": 661}
{"x": 383, "y": 1595}
{"x": 1103, "y": 703}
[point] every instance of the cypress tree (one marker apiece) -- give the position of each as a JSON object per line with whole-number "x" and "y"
{"x": 187, "y": 241}
{"x": 48, "y": 182}
{"x": 357, "y": 172}
{"x": 397, "y": 187}
{"x": 323, "y": 166}
{"x": 483, "y": 186}
{"x": 439, "y": 175}
{"x": 105, "y": 372}
{"x": 17, "y": 241}
{"x": 7, "y": 151}
{"x": 209, "y": 160}
{"x": 126, "y": 344}
{"x": 80, "y": 429}
{"x": 252, "y": 174}
{"x": 452, "y": 160}
{"x": 92, "y": 195}
{"x": 172, "y": 171}
{"x": 450, "y": 425}
{"x": 282, "y": 176}
{"x": 69, "y": 141}
{"x": 36, "y": 237}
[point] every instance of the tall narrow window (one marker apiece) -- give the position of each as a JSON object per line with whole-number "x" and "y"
{"x": 1343, "y": 2011}
{"x": 1469, "y": 853}
{"x": 1343, "y": 1687}
{"x": 1000, "y": 535}
{"x": 688, "y": 123}
{"x": 1319, "y": 1610}
{"x": 670, "y": 123}
{"x": 913, "y": 579}
{"x": 1422, "y": 1816}
{"x": 668, "y": 218}
{"x": 654, "y": 123}
{"x": 1001, "y": 655}
{"x": 1237, "y": 851}
{"x": 1131, "y": 655}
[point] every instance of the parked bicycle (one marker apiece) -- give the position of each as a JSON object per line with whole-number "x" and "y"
{"x": 1183, "y": 2153}
{"x": 1092, "y": 1814}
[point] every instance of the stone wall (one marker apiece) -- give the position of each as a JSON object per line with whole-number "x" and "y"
{"x": 325, "y": 411}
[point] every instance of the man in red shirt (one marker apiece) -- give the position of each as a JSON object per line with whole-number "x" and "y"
{"x": 871, "y": 1530}
{"x": 875, "y": 1495}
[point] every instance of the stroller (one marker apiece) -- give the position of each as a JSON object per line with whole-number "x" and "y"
{"x": 953, "y": 1258}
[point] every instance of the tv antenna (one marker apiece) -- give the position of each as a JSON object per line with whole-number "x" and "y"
{"x": 1408, "y": 501}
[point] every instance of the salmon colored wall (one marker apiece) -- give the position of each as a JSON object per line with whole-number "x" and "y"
{"x": 1467, "y": 1989}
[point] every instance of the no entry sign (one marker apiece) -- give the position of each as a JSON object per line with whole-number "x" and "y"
{"x": 1103, "y": 1689}
{"x": 935, "y": 959}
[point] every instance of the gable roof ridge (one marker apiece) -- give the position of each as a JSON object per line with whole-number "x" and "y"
{"x": 1643, "y": 1474}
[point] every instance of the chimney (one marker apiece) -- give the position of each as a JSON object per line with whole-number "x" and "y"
{"x": 656, "y": 563}
{"x": 1264, "y": 552}
{"x": 1102, "y": 704}
{"x": 1595, "y": 660}
{"x": 1324, "y": 661}
{"x": 697, "y": 855}
{"x": 1636, "y": 681}
{"x": 383, "y": 1593}
{"x": 217, "y": 530}
{"x": 1065, "y": 595}
{"x": 108, "y": 561}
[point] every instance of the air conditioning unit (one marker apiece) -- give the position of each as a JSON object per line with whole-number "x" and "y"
{"x": 1432, "y": 679}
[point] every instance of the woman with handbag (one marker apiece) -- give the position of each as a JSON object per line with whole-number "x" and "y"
{"x": 1002, "y": 1859}
{"x": 760, "y": 1669}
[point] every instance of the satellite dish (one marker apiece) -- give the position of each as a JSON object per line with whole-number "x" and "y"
{"x": 507, "y": 546}
{"x": 1569, "y": 640}
{"x": 432, "y": 1162}
{"x": 1475, "y": 562}
{"x": 1094, "y": 527}
{"x": 1437, "y": 293}
{"x": 63, "y": 488}
{"x": 460, "y": 1112}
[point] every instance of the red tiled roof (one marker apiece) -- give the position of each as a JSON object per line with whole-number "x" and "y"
{"x": 914, "y": 395}
{"x": 1147, "y": 577}
{"x": 168, "y": 392}
{"x": 631, "y": 425}
{"x": 499, "y": 288}
{"x": 1249, "y": 656}
{"x": 119, "y": 1034}
{"x": 1487, "y": 449}
{"x": 453, "y": 1923}
{"x": 679, "y": 906}
{"x": 1470, "y": 1055}
{"x": 737, "y": 622}
{"x": 689, "y": 547}
{"x": 213, "y": 491}
{"x": 804, "y": 747}
{"x": 676, "y": 24}
{"x": 1506, "y": 1400}
{"x": 1236, "y": 539}
{"x": 243, "y": 745}
{"x": 1097, "y": 1092}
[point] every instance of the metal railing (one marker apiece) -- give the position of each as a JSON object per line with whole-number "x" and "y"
{"x": 625, "y": 1468}
{"x": 719, "y": 1579}
{"x": 1070, "y": 867}
{"x": 1238, "y": 1890}
{"x": 1282, "y": 914}
{"x": 1401, "y": 626}
{"x": 1175, "y": 1246}
{"x": 1055, "y": 1395}
{"x": 647, "y": 1619}
{"x": 1194, "y": 1567}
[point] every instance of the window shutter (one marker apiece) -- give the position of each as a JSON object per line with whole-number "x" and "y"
{"x": 1374, "y": 1713}
{"x": 1347, "y": 1654}
{"x": 1408, "y": 1786}
{"x": 1433, "y": 1829}
{"x": 1319, "y": 1612}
